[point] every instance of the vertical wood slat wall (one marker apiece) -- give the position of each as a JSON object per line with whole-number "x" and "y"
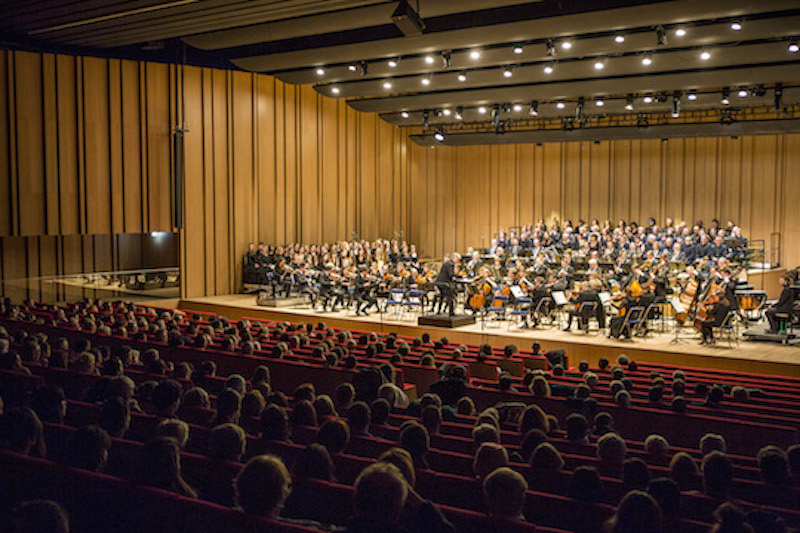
{"x": 464, "y": 195}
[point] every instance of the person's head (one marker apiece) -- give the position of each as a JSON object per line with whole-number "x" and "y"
{"x": 379, "y": 411}
{"x": 545, "y": 457}
{"x": 655, "y": 394}
{"x": 728, "y": 518}
{"x": 585, "y": 485}
{"x": 253, "y": 404}
{"x": 712, "y": 442}
{"x": 431, "y": 418}
{"x": 656, "y": 445}
{"x": 262, "y": 486}
{"x": 226, "y": 443}
{"x": 465, "y": 406}
{"x": 603, "y": 423}
{"x": 774, "y": 465}
{"x": 577, "y": 427}
{"x": 343, "y": 396}
{"x": 313, "y": 462}
{"x": 303, "y": 414}
{"x": 166, "y": 397}
{"x": 88, "y": 448}
{"x": 540, "y": 388}
{"x": 533, "y": 418}
{"x": 636, "y": 513}
{"x": 358, "y": 418}
{"x": 684, "y": 470}
{"x": 668, "y": 495}
{"x": 323, "y": 405}
{"x": 489, "y": 457}
{"x": 485, "y": 433}
{"x": 380, "y": 492}
{"x": 717, "y": 471}
{"x": 50, "y": 404}
{"x": 40, "y": 516}
{"x": 611, "y": 449}
{"x": 635, "y": 474}
{"x": 274, "y": 423}
{"x": 229, "y": 406}
{"x": 402, "y": 460}
{"x": 793, "y": 456}
{"x": 175, "y": 428}
{"x": 623, "y": 399}
{"x": 504, "y": 493}
{"x": 334, "y": 434}
{"x": 160, "y": 465}
{"x": 414, "y": 438}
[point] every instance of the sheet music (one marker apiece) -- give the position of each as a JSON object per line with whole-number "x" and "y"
{"x": 677, "y": 305}
{"x": 559, "y": 298}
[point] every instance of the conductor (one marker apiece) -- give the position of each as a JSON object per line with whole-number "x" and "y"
{"x": 444, "y": 282}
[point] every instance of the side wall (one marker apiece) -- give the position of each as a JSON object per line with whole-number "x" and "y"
{"x": 463, "y": 195}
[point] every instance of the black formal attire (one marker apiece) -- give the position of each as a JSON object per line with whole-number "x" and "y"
{"x": 617, "y": 324}
{"x": 783, "y": 305}
{"x": 537, "y": 295}
{"x": 585, "y": 297}
{"x": 447, "y": 293}
{"x": 715, "y": 319}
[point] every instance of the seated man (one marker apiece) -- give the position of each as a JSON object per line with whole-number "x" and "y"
{"x": 631, "y": 299}
{"x": 583, "y": 308}
{"x": 783, "y": 305}
{"x": 504, "y": 492}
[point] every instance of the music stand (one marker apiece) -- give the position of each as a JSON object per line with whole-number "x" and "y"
{"x": 679, "y": 308}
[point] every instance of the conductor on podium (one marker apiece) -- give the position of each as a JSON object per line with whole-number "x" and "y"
{"x": 445, "y": 283}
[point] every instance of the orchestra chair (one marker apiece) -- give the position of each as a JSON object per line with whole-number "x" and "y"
{"x": 395, "y": 302}
{"x": 498, "y": 312}
{"x": 545, "y": 310}
{"x": 518, "y": 312}
{"x": 634, "y": 320}
{"x": 728, "y": 330}
{"x": 413, "y": 301}
{"x": 585, "y": 312}
{"x": 643, "y": 330}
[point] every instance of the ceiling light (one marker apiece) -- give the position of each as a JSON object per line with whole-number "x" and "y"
{"x": 335, "y": 90}
{"x": 439, "y": 135}
{"x": 692, "y": 95}
{"x": 387, "y": 85}
{"x": 429, "y": 60}
{"x": 794, "y": 47}
{"x": 629, "y": 102}
{"x": 599, "y": 64}
{"x": 742, "y": 93}
{"x": 680, "y": 32}
{"x": 736, "y": 26}
{"x": 619, "y": 39}
{"x": 352, "y": 67}
{"x": 459, "y": 112}
{"x": 462, "y": 77}
{"x": 426, "y": 80}
{"x": 599, "y": 102}
{"x": 518, "y": 50}
{"x": 726, "y": 93}
{"x": 320, "y": 71}
{"x": 507, "y": 72}
{"x": 566, "y": 45}
{"x": 482, "y": 110}
{"x": 705, "y": 56}
{"x": 551, "y": 48}
{"x": 534, "y": 110}
{"x": 548, "y": 69}
{"x": 561, "y": 105}
{"x": 475, "y": 54}
{"x": 404, "y": 114}
{"x": 517, "y": 108}
{"x": 647, "y": 61}
{"x": 647, "y": 99}
{"x": 392, "y": 63}
{"x": 446, "y": 112}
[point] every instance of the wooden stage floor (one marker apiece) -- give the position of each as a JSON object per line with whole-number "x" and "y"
{"x": 764, "y": 357}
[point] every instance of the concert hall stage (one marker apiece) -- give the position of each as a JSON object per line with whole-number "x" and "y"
{"x": 769, "y": 358}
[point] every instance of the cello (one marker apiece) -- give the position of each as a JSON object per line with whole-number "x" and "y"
{"x": 484, "y": 289}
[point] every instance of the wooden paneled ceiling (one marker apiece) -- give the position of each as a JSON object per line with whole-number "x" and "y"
{"x": 499, "y": 63}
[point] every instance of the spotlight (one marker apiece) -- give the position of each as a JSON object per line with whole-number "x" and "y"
{"x": 462, "y": 77}
{"x": 548, "y": 69}
{"x": 517, "y": 108}
{"x": 475, "y": 54}
{"x": 692, "y": 96}
{"x": 363, "y": 68}
{"x": 629, "y": 102}
{"x": 794, "y": 47}
{"x": 426, "y": 80}
{"x": 742, "y": 93}
{"x": 736, "y": 26}
{"x": 534, "y": 110}
{"x": 429, "y": 60}
{"x": 387, "y": 85}
{"x": 482, "y": 110}
{"x": 619, "y": 39}
{"x": 705, "y": 56}
{"x": 507, "y": 72}
{"x": 661, "y": 36}
{"x": 445, "y": 59}
{"x": 647, "y": 61}
{"x": 676, "y": 106}
{"x": 726, "y": 93}
{"x": 778, "y": 96}
{"x": 648, "y": 99}
{"x": 599, "y": 64}
{"x": 320, "y": 71}
{"x": 426, "y": 123}
{"x": 446, "y": 112}
{"x": 518, "y": 50}
{"x": 439, "y": 135}
{"x": 352, "y": 67}
{"x": 561, "y": 105}
{"x": 551, "y": 48}
{"x": 599, "y": 102}
{"x": 404, "y": 114}
{"x": 335, "y": 90}
{"x": 392, "y": 63}
{"x": 680, "y": 32}
{"x": 459, "y": 113}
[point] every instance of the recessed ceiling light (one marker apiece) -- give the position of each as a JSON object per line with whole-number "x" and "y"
{"x": 647, "y": 61}
{"x": 692, "y": 96}
{"x": 425, "y": 81}
{"x": 392, "y": 63}
{"x": 619, "y": 39}
{"x": 482, "y": 110}
{"x": 736, "y": 26}
{"x": 599, "y": 65}
{"x": 439, "y": 135}
{"x": 705, "y": 56}
{"x": 680, "y": 32}
{"x": 335, "y": 90}
{"x": 429, "y": 60}
{"x": 518, "y": 50}
{"x": 629, "y": 103}
{"x": 794, "y": 47}
{"x": 320, "y": 71}
{"x": 404, "y": 114}
{"x": 462, "y": 77}
{"x": 387, "y": 85}
{"x": 566, "y": 45}
{"x": 507, "y": 72}
{"x": 517, "y": 108}
{"x": 475, "y": 54}
{"x": 647, "y": 99}
{"x": 352, "y": 67}
{"x": 446, "y": 112}
{"x": 599, "y": 102}
{"x": 742, "y": 93}
{"x": 561, "y": 105}
{"x": 548, "y": 69}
